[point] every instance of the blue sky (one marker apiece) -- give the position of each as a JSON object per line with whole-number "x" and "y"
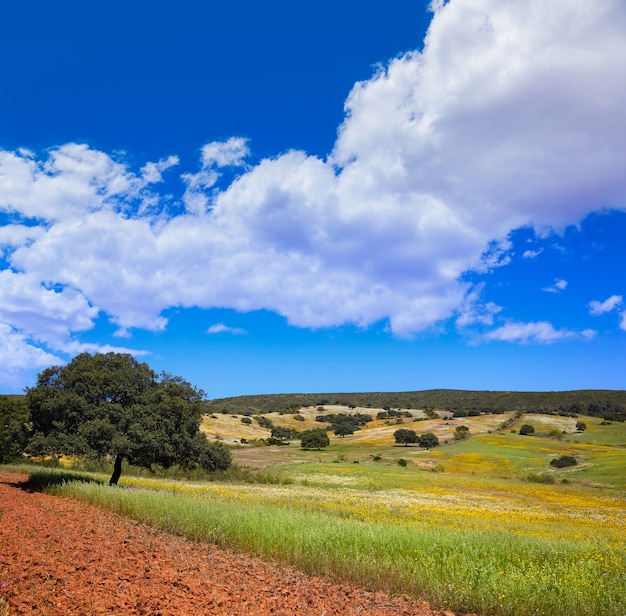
{"x": 316, "y": 196}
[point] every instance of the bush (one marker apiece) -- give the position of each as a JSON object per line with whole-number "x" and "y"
{"x": 246, "y": 420}
{"x": 540, "y": 478}
{"x": 526, "y": 429}
{"x": 563, "y": 462}
{"x": 428, "y": 440}
{"x": 264, "y": 422}
{"x": 402, "y": 462}
{"x": 314, "y": 439}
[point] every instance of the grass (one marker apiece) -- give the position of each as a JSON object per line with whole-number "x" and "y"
{"x": 462, "y": 525}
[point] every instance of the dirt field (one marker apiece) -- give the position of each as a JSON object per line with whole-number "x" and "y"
{"x": 61, "y": 557}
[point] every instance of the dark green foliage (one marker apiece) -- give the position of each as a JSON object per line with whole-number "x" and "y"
{"x": 283, "y": 434}
{"x": 405, "y": 437}
{"x": 391, "y": 414}
{"x": 275, "y": 441}
{"x": 344, "y": 428}
{"x": 314, "y": 439}
{"x": 428, "y": 440}
{"x": 402, "y": 462}
{"x": 581, "y": 426}
{"x": 110, "y": 405}
{"x": 526, "y": 429}
{"x": 14, "y": 432}
{"x": 563, "y": 461}
{"x": 264, "y": 422}
{"x": 246, "y": 420}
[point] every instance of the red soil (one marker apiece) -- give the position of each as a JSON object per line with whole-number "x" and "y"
{"x": 62, "y": 557}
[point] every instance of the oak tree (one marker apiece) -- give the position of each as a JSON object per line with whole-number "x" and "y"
{"x": 112, "y": 406}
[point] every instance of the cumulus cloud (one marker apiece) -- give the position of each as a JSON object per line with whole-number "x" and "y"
{"x": 19, "y": 357}
{"x": 597, "y": 308}
{"x": 510, "y": 116}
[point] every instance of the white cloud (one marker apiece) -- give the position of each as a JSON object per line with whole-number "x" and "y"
{"x": 540, "y": 332}
{"x": 531, "y": 254}
{"x": 229, "y": 153}
{"x": 622, "y": 321}
{"x": 597, "y": 308}
{"x": 557, "y": 286}
{"x": 18, "y": 358}
{"x": 511, "y": 116}
{"x": 220, "y": 328}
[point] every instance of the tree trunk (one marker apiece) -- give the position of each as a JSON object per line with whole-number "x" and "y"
{"x": 117, "y": 471}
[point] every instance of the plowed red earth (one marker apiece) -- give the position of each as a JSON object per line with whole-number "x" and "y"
{"x": 62, "y": 557}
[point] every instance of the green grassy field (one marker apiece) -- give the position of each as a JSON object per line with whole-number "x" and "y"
{"x": 483, "y": 525}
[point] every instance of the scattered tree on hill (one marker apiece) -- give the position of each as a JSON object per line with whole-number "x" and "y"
{"x": 526, "y": 429}
{"x": 344, "y": 428}
{"x": 314, "y": 439}
{"x": 581, "y": 426}
{"x": 110, "y": 405}
{"x": 428, "y": 440}
{"x": 282, "y": 434}
{"x": 405, "y": 437}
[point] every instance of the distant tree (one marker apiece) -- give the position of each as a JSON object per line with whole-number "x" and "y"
{"x": 428, "y": 440}
{"x": 405, "y": 437}
{"x": 343, "y": 428}
{"x": 110, "y": 405}
{"x": 526, "y": 429}
{"x": 314, "y": 439}
{"x": 14, "y": 432}
{"x": 581, "y": 426}
{"x": 281, "y": 433}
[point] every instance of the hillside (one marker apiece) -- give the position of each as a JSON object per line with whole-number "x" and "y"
{"x": 610, "y": 404}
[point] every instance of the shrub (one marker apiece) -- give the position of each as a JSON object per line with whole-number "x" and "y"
{"x": 461, "y": 433}
{"x": 563, "y": 461}
{"x": 402, "y": 462}
{"x": 264, "y": 422}
{"x": 314, "y": 439}
{"x": 540, "y": 478}
{"x": 526, "y": 429}
{"x": 246, "y": 420}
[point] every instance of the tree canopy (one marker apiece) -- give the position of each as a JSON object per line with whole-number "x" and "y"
{"x": 314, "y": 439}
{"x": 111, "y": 405}
{"x": 13, "y": 427}
{"x": 428, "y": 440}
{"x": 405, "y": 437}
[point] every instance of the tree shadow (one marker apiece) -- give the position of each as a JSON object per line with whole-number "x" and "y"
{"x": 39, "y": 480}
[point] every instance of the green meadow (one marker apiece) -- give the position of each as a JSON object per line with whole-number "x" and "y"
{"x": 481, "y": 525}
